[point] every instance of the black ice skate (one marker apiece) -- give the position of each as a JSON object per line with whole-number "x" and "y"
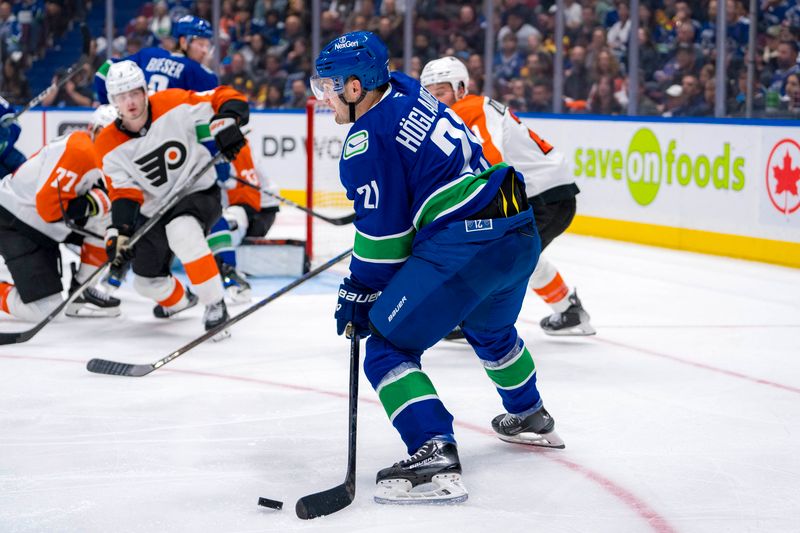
{"x": 431, "y": 475}
{"x": 92, "y": 303}
{"x": 236, "y": 286}
{"x": 215, "y": 315}
{"x": 573, "y": 321}
{"x": 162, "y": 312}
{"x": 536, "y": 429}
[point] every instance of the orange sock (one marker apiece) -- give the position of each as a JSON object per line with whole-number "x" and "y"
{"x": 554, "y": 292}
{"x": 5, "y": 289}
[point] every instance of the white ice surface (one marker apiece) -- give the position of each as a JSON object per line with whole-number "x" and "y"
{"x": 682, "y": 414}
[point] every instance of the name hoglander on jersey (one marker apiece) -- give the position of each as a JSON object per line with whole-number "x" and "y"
{"x": 415, "y": 126}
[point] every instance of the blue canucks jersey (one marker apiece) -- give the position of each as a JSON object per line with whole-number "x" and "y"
{"x": 9, "y": 129}
{"x": 162, "y": 70}
{"x": 411, "y": 166}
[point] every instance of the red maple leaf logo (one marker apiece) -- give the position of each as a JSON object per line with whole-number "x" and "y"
{"x": 787, "y": 176}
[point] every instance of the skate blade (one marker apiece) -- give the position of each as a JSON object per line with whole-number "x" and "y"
{"x": 84, "y": 311}
{"x": 236, "y": 297}
{"x": 548, "y": 440}
{"x": 221, "y": 336}
{"x": 444, "y": 489}
{"x": 581, "y": 330}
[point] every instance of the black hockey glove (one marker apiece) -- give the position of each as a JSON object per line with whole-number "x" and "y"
{"x": 355, "y": 301}
{"x": 225, "y": 129}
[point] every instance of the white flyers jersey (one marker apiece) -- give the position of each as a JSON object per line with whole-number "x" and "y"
{"x": 149, "y": 166}
{"x": 506, "y": 139}
{"x": 40, "y": 190}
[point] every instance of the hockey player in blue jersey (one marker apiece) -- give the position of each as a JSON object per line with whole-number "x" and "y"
{"x": 441, "y": 239}
{"x": 182, "y": 69}
{"x": 10, "y": 157}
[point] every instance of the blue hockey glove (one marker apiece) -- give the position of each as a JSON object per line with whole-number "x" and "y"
{"x": 355, "y": 301}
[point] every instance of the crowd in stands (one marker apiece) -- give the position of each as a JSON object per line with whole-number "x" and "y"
{"x": 266, "y": 48}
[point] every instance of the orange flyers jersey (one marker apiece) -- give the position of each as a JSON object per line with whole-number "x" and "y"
{"x": 61, "y": 171}
{"x": 244, "y": 168}
{"x": 505, "y": 138}
{"x": 149, "y": 166}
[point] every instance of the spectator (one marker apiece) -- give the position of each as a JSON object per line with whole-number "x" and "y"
{"x": 424, "y": 49}
{"x": 694, "y": 104}
{"x": 161, "y": 23}
{"x": 469, "y": 27}
{"x": 619, "y": 33}
{"x": 77, "y": 92}
{"x": 273, "y": 70}
{"x": 140, "y": 30}
{"x": 517, "y": 26}
{"x": 607, "y": 65}
{"x": 14, "y": 84}
{"x": 517, "y": 99}
{"x": 541, "y": 99}
{"x": 737, "y": 103}
{"x": 475, "y": 68}
{"x": 675, "y": 99}
{"x": 577, "y": 82}
{"x": 597, "y": 44}
{"x": 682, "y": 64}
{"x": 791, "y": 90}
{"x": 602, "y": 99}
{"x": 298, "y": 95}
{"x": 787, "y": 64}
{"x": 649, "y": 58}
{"x": 274, "y": 99}
{"x": 255, "y": 51}
{"x": 508, "y": 60}
{"x": 237, "y": 72}
{"x": 392, "y": 38}
{"x": 573, "y": 15}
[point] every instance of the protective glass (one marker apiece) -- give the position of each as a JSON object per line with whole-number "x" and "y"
{"x": 324, "y": 88}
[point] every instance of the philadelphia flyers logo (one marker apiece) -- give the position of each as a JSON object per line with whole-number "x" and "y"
{"x": 155, "y": 164}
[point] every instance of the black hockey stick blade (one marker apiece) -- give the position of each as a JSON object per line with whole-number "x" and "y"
{"x": 325, "y": 502}
{"x": 112, "y": 368}
{"x": 337, "y": 498}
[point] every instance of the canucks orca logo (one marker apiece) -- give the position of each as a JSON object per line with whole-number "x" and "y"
{"x": 155, "y": 165}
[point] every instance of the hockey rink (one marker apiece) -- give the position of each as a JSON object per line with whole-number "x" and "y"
{"x": 681, "y": 415}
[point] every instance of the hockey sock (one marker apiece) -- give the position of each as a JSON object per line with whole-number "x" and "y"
{"x": 92, "y": 257}
{"x": 5, "y": 290}
{"x": 186, "y": 239}
{"x": 220, "y": 240}
{"x": 176, "y": 296}
{"x": 548, "y": 284}
{"x": 514, "y": 376}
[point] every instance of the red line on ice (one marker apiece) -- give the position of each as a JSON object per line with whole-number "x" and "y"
{"x": 656, "y": 521}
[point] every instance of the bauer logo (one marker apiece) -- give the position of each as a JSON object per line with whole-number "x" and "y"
{"x": 156, "y": 164}
{"x": 356, "y": 144}
{"x": 783, "y": 176}
{"x": 649, "y": 164}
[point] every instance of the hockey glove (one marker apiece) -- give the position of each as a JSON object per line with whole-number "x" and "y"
{"x": 355, "y": 301}
{"x": 117, "y": 248}
{"x": 227, "y": 134}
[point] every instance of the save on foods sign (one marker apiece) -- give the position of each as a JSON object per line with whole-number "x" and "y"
{"x": 718, "y": 188}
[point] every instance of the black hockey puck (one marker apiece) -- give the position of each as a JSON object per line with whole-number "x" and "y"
{"x": 272, "y": 504}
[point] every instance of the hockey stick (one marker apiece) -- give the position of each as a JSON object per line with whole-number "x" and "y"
{"x": 337, "y": 498}
{"x": 104, "y": 366}
{"x": 343, "y": 221}
{"x": 68, "y": 75}
{"x": 23, "y": 336}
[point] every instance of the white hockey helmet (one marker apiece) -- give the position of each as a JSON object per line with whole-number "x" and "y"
{"x": 445, "y": 70}
{"x": 122, "y": 77}
{"x": 102, "y": 117}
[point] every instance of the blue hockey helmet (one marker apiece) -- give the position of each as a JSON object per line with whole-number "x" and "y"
{"x": 191, "y": 26}
{"x": 361, "y": 54}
